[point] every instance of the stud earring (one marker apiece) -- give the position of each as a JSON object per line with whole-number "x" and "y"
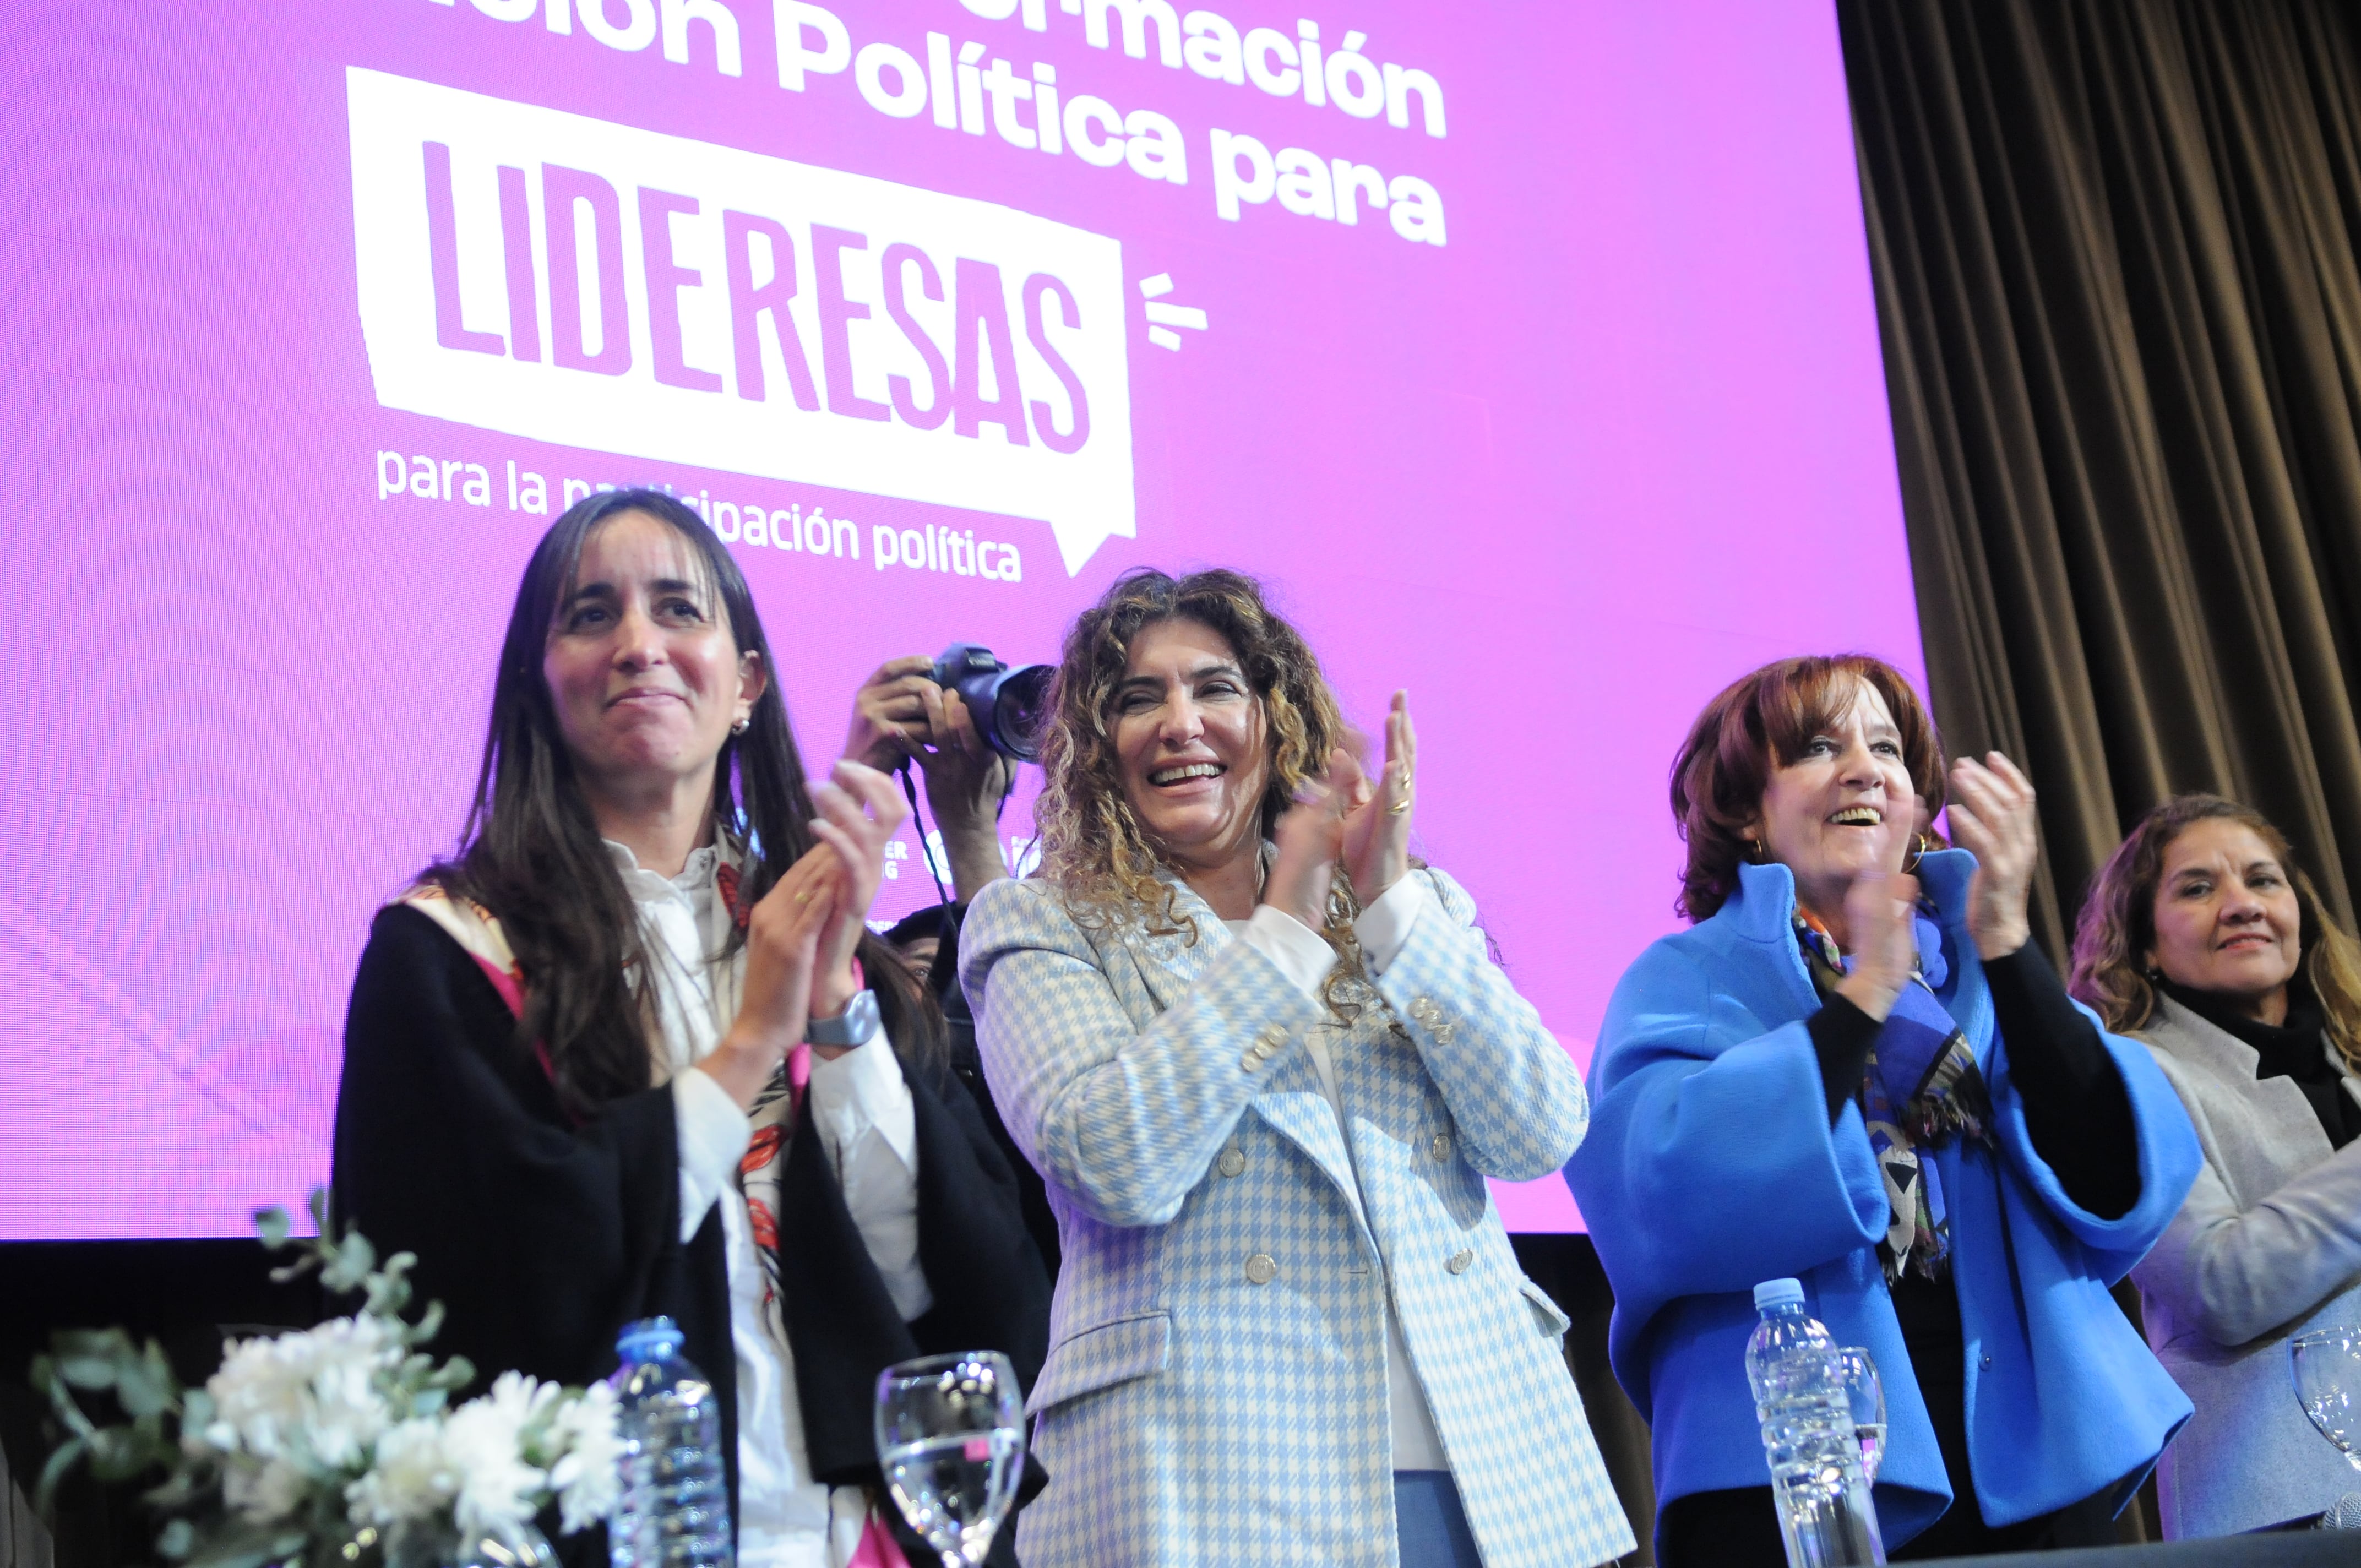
{"x": 740, "y": 728}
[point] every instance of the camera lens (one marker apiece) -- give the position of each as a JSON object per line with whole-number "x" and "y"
{"x": 1009, "y": 706}
{"x": 1020, "y": 708}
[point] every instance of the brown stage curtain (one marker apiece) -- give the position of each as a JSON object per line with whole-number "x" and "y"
{"x": 2113, "y": 246}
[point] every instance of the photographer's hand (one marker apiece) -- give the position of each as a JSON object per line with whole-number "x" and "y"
{"x": 966, "y": 781}
{"x": 890, "y": 714}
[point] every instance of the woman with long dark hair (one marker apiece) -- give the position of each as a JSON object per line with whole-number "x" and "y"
{"x": 633, "y": 1050}
{"x": 1264, "y": 1063}
{"x": 2202, "y": 938}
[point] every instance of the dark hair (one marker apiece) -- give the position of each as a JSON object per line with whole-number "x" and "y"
{"x": 1760, "y": 722}
{"x": 532, "y": 853}
{"x": 923, "y": 925}
{"x": 2116, "y": 928}
{"x": 1093, "y": 847}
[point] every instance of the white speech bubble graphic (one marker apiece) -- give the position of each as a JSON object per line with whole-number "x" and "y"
{"x": 984, "y": 368}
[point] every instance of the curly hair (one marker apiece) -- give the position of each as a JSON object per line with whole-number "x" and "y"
{"x": 1093, "y": 848}
{"x": 1760, "y": 722}
{"x": 2117, "y": 927}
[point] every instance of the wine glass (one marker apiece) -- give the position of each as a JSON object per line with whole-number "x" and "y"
{"x": 950, "y": 1437}
{"x": 2327, "y": 1366}
{"x": 1858, "y": 1373}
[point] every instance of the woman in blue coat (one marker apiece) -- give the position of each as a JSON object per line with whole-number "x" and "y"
{"x": 1855, "y": 1068}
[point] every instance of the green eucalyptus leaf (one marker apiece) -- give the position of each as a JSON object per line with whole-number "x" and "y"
{"x": 457, "y": 1373}
{"x": 118, "y": 1454}
{"x": 196, "y": 1411}
{"x": 224, "y": 1556}
{"x": 430, "y": 1323}
{"x": 231, "y": 1543}
{"x": 91, "y": 1358}
{"x": 45, "y": 1492}
{"x": 274, "y": 1226}
{"x": 91, "y": 1372}
{"x": 62, "y": 1399}
{"x": 144, "y": 1384}
{"x": 352, "y": 1266}
{"x": 105, "y": 1343}
{"x": 316, "y": 1200}
{"x": 176, "y": 1540}
{"x": 178, "y": 1490}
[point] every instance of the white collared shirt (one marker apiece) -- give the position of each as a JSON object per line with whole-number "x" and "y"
{"x": 860, "y": 1108}
{"x": 1305, "y": 958}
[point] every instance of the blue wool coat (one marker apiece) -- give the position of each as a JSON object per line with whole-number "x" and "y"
{"x": 1712, "y": 1166}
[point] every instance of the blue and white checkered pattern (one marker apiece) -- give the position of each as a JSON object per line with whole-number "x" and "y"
{"x": 1216, "y": 1395}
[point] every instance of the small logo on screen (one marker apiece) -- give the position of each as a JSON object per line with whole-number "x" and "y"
{"x": 576, "y": 281}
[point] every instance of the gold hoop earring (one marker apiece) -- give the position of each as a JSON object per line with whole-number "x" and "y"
{"x": 1754, "y": 850}
{"x": 1919, "y": 845}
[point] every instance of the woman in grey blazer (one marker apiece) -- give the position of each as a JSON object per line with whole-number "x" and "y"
{"x": 1264, "y": 1063}
{"x": 2202, "y": 938}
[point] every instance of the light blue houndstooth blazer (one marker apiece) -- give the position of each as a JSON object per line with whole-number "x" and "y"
{"x": 1215, "y": 1393}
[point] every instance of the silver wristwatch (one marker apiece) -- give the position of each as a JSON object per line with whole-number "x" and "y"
{"x": 851, "y": 1027}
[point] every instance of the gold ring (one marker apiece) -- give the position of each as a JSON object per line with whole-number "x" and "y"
{"x": 804, "y": 896}
{"x": 1397, "y": 807}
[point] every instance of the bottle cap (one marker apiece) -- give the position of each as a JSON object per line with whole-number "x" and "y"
{"x": 649, "y": 1339}
{"x": 1770, "y": 1293}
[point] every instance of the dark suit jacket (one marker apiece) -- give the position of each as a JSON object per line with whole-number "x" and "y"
{"x": 543, "y": 1237}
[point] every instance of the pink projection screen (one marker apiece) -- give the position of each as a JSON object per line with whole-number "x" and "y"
{"x": 1527, "y": 351}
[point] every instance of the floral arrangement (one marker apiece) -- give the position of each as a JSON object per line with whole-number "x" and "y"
{"x": 335, "y": 1444}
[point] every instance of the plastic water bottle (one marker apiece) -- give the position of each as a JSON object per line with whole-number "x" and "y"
{"x": 1824, "y": 1514}
{"x": 674, "y": 1509}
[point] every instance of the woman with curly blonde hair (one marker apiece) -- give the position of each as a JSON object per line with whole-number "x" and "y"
{"x": 1264, "y": 1064}
{"x": 2201, "y": 939}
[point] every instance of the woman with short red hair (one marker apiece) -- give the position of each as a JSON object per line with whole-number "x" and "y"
{"x": 1855, "y": 1068}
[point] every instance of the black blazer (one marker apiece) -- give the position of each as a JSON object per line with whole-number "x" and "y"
{"x": 542, "y": 1238}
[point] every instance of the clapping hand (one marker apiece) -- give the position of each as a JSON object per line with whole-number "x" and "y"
{"x": 1377, "y": 822}
{"x": 1311, "y": 836}
{"x": 1880, "y": 923}
{"x": 858, "y": 813}
{"x": 1992, "y": 816}
{"x": 783, "y": 934}
{"x": 800, "y": 935}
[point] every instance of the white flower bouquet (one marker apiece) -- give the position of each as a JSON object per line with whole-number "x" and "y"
{"x": 337, "y": 1444}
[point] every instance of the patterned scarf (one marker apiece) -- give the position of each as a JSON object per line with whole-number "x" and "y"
{"x": 859, "y": 1535}
{"x": 1922, "y": 1087}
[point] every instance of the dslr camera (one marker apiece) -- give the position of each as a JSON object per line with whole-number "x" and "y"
{"x": 1009, "y": 706}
